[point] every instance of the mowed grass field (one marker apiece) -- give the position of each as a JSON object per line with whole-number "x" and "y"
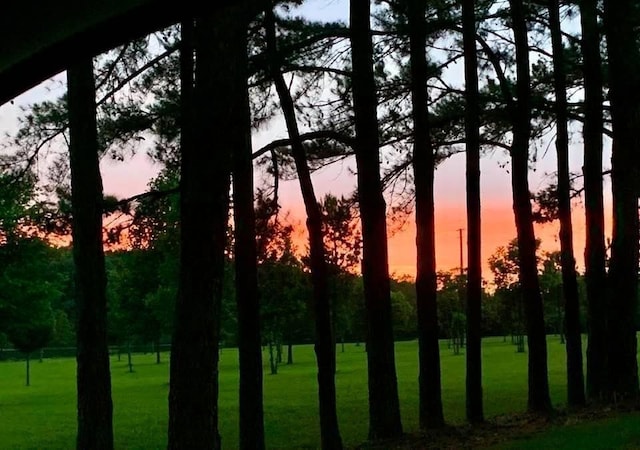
{"x": 42, "y": 416}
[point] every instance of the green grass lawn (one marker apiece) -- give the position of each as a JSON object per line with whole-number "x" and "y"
{"x": 42, "y": 416}
{"x": 620, "y": 432}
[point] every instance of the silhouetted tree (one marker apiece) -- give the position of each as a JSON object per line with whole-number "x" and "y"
{"x": 246, "y": 260}
{"x": 474, "y": 407}
{"x": 539, "y": 400}
{"x": 325, "y": 341}
{"x": 620, "y": 20}
{"x": 575, "y": 376}
{"x": 95, "y": 408}
{"x": 430, "y": 387}
{"x": 595, "y": 253}
{"x": 384, "y": 407}
{"x": 210, "y": 130}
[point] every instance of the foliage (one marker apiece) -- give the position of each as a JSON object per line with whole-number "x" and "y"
{"x": 28, "y": 288}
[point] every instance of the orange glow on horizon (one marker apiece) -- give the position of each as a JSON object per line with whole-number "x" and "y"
{"x": 498, "y": 228}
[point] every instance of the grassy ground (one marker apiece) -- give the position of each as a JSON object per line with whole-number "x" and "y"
{"x": 619, "y": 432}
{"x": 43, "y": 415}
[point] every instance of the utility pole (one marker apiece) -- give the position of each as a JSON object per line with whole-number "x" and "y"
{"x": 460, "y": 230}
{"x": 461, "y": 292}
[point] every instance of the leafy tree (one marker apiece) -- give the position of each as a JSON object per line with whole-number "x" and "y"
{"x": 343, "y": 244}
{"x": 283, "y": 284}
{"x": 451, "y": 313}
{"x": 504, "y": 266}
{"x": 31, "y": 325}
{"x": 132, "y": 280}
{"x": 29, "y": 288}
{"x": 285, "y": 293}
{"x": 63, "y": 331}
{"x": 402, "y": 313}
{"x": 341, "y": 234}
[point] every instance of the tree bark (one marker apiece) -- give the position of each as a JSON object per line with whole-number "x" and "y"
{"x": 95, "y": 407}
{"x": 209, "y": 131}
{"x": 474, "y": 404}
{"x": 624, "y": 94}
{"x": 595, "y": 253}
{"x": 430, "y": 387}
{"x": 384, "y": 408}
{"x": 575, "y": 375}
{"x": 539, "y": 400}
{"x": 246, "y": 270}
{"x": 325, "y": 341}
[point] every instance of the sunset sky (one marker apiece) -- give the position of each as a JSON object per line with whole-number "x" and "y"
{"x": 130, "y": 178}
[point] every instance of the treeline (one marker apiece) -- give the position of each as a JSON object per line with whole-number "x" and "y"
{"x": 142, "y": 285}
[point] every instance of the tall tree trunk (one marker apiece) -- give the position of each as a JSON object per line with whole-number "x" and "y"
{"x": 595, "y": 253}
{"x": 246, "y": 270}
{"x": 474, "y": 406}
{"x": 384, "y": 407}
{"x": 624, "y": 94}
{"x": 575, "y": 375}
{"x": 325, "y": 343}
{"x": 430, "y": 387}
{"x": 95, "y": 408}
{"x": 208, "y": 120}
{"x": 539, "y": 400}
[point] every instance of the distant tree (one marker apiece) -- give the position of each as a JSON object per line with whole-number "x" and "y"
{"x": 133, "y": 278}
{"x": 63, "y": 331}
{"x": 284, "y": 287}
{"x": 504, "y": 265}
{"x": 28, "y": 289}
{"x": 31, "y": 325}
{"x": 451, "y": 311}
{"x": 343, "y": 245}
{"x": 341, "y": 233}
{"x": 403, "y": 304}
{"x": 551, "y": 287}
{"x": 402, "y": 312}
{"x": 155, "y": 230}
{"x": 285, "y": 293}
